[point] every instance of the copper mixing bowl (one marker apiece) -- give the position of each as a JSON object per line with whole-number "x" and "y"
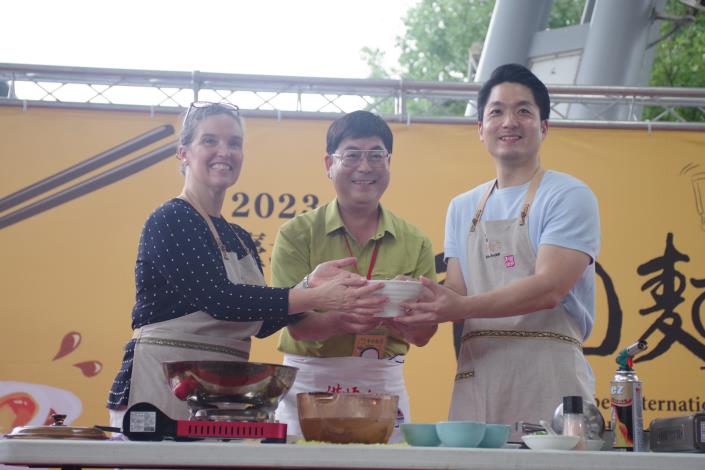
{"x": 215, "y": 382}
{"x": 344, "y": 418}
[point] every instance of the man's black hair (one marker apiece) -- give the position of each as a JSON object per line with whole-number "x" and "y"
{"x": 515, "y": 73}
{"x": 358, "y": 125}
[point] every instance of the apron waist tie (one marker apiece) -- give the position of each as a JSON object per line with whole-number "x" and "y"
{"x": 177, "y": 343}
{"x": 522, "y": 335}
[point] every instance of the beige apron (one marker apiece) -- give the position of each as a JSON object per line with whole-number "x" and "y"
{"x": 519, "y": 367}
{"x": 196, "y": 336}
{"x": 345, "y": 374}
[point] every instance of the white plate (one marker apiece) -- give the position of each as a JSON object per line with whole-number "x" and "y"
{"x": 548, "y": 442}
{"x": 594, "y": 444}
{"x": 511, "y": 445}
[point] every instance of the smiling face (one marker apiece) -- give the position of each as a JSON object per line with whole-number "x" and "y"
{"x": 511, "y": 127}
{"x": 360, "y": 187}
{"x": 214, "y": 158}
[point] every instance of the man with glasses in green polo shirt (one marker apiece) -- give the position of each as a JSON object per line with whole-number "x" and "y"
{"x": 346, "y": 351}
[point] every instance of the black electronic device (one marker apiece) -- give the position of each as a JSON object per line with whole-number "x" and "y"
{"x": 678, "y": 434}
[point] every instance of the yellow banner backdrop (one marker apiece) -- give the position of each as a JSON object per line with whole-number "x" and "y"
{"x": 67, "y": 271}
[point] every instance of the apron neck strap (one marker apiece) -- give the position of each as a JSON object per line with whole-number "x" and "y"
{"x": 528, "y": 199}
{"x": 481, "y": 207}
{"x": 216, "y": 236}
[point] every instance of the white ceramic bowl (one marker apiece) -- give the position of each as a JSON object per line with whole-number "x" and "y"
{"x": 548, "y": 442}
{"x": 397, "y": 291}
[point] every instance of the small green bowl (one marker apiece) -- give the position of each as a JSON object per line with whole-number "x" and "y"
{"x": 460, "y": 433}
{"x": 420, "y": 434}
{"x": 496, "y": 435}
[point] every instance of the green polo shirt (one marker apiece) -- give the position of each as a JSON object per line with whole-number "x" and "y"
{"x": 317, "y": 236}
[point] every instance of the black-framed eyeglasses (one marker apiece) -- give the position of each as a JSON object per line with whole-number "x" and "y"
{"x": 376, "y": 158}
{"x": 206, "y": 104}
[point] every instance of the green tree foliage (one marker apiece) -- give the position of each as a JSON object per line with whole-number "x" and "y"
{"x": 436, "y": 46}
{"x": 439, "y": 37}
{"x": 565, "y": 13}
{"x": 680, "y": 60}
{"x": 440, "y": 34}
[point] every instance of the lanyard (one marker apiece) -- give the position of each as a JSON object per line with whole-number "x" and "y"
{"x": 372, "y": 261}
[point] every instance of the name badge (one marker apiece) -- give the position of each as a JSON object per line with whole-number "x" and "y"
{"x": 371, "y": 346}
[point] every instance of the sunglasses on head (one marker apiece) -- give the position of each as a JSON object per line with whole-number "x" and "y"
{"x": 206, "y": 104}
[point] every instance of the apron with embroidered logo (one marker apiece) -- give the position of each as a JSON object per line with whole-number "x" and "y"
{"x": 196, "y": 336}
{"x": 515, "y": 368}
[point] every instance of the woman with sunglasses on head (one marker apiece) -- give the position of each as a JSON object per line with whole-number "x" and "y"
{"x": 200, "y": 288}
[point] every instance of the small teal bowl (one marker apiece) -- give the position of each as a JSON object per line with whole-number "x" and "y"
{"x": 496, "y": 435}
{"x": 420, "y": 434}
{"x": 460, "y": 433}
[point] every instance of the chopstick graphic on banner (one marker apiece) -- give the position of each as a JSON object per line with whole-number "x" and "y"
{"x": 92, "y": 184}
{"x": 85, "y": 166}
{"x": 99, "y": 181}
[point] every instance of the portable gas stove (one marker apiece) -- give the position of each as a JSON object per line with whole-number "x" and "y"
{"x": 226, "y": 400}
{"x": 146, "y": 422}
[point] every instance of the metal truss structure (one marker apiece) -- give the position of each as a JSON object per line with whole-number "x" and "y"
{"x": 287, "y": 97}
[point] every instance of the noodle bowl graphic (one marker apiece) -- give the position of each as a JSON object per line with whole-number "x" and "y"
{"x": 27, "y": 404}
{"x": 698, "y": 181}
{"x": 31, "y": 404}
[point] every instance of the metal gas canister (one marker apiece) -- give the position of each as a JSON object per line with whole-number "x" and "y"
{"x": 626, "y": 402}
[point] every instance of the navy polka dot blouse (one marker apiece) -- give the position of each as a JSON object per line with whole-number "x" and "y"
{"x": 180, "y": 271}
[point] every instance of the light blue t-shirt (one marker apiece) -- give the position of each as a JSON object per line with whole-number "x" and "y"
{"x": 564, "y": 213}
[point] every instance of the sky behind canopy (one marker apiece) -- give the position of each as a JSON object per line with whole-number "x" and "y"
{"x": 266, "y": 37}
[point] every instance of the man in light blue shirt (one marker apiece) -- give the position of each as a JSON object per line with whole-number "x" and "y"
{"x": 521, "y": 273}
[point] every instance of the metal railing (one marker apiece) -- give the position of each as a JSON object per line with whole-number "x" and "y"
{"x": 287, "y": 97}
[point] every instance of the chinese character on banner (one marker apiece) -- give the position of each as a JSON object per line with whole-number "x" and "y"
{"x": 667, "y": 287}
